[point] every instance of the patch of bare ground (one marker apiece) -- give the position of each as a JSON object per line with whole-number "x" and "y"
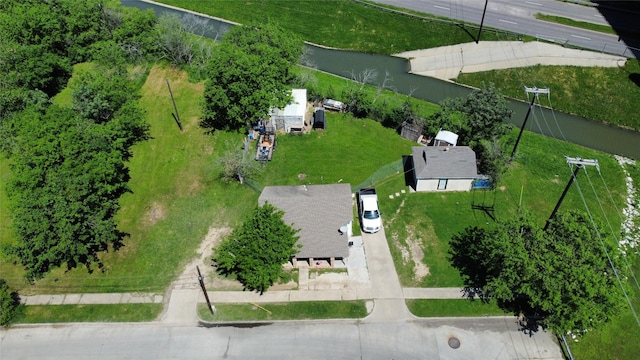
{"x": 188, "y": 277}
{"x": 415, "y": 243}
{"x": 410, "y": 249}
{"x": 157, "y": 212}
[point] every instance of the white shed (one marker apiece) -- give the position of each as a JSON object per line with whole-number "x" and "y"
{"x": 439, "y": 168}
{"x": 293, "y": 115}
{"x": 445, "y": 138}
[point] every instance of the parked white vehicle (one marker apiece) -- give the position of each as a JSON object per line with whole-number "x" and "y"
{"x": 368, "y": 210}
{"x": 335, "y": 105}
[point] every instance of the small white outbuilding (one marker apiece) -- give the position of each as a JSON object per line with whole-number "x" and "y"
{"x": 292, "y": 117}
{"x": 445, "y": 138}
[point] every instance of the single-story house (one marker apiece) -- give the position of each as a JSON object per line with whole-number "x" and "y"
{"x": 440, "y": 168}
{"x": 292, "y": 117}
{"x": 322, "y": 213}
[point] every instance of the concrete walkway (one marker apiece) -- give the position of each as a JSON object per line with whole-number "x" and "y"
{"x": 447, "y": 62}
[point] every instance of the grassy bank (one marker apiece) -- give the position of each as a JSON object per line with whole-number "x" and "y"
{"x": 342, "y": 24}
{"x": 607, "y": 95}
{"x": 355, "y": 309}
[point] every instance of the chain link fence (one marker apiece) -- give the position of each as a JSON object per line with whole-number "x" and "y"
{"x": 381, "y": 174}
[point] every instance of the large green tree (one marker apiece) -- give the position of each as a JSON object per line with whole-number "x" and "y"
{"x": 561, "y": 277}
{"x": 40, "y": 40}
{"x": 248, "y": 73}
{"x": 256, "y": 251}
{"x": 68, "y": 172}
{"x": 479, "y": 116}
{"x": 479, "y": 120}
{"x": 10, "y": 307}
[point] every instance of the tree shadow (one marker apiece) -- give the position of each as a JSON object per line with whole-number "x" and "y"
{"x": 635, "y": 78}
{"x": 622, "y": 17}
{"x": 530, "y": 325}
{"x": 475, "y": 293}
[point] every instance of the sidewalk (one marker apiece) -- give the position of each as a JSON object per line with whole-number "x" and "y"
{"x": 240, "y": 296}
{"x": 447, "y": 62}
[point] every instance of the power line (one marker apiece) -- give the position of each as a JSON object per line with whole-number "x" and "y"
{"x": 613, "y": 233}
{"x": 615, "y": 271}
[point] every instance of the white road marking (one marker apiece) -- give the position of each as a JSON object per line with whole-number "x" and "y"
{"x": 580, "y": 37}
{"x": 441, "y": 7}
{"x": 508, "y": 22}
{"x": 532, "y": 3}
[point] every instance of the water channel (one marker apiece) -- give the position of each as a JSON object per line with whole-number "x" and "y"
{"x": 556, "y": 124}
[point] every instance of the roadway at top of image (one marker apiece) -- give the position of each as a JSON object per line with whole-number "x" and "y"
{"x": 519, "y": 17}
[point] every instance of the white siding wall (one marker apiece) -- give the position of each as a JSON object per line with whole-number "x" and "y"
{"x": 452, "y": 185}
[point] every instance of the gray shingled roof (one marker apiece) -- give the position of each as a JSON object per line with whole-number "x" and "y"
{"x": 318, "y": 211}
{"x": 439, "y": 162}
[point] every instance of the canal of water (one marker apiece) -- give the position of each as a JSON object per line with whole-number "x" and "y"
{"x": 556, "y": 124}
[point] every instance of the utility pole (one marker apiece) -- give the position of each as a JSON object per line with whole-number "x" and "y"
{"x": 204, "y": 291}
{"x": 535, "y": 91}
{"x": 579, "y": 163}
{"x": 482, "y": 21}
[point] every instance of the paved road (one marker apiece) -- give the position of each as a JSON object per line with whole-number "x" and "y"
{"x": 389, "y": 332}
{"x": 491, "y": 338}
{"x": 519, "y": 17}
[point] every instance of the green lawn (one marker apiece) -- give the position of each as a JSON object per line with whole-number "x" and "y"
{"x": 453, "y": 308}
{"x": 90, "y": 313}
{"x": 535, "y": 180}
{"x": 607, "y": 95}
{"x": 355, "y": 309}
{"x": 615, "y": 340}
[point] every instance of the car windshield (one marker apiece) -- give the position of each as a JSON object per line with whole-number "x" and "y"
{"x": 369, "y": 214}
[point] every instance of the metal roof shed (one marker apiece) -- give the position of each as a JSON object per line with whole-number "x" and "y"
{"x": 292, "y": 116}
{"x": 449, "y": 138}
